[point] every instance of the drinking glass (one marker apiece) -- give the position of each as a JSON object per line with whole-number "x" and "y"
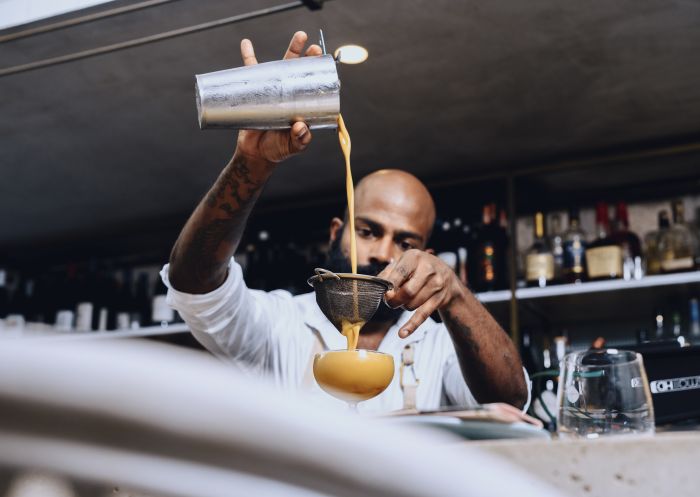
{"x": 353, "y": 375}
{"x": 604, "y": 392}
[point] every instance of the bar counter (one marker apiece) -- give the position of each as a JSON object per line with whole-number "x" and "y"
{"x": 665, "y": 464}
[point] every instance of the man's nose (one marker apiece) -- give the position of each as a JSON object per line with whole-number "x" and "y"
{"x": 382, "y": 251}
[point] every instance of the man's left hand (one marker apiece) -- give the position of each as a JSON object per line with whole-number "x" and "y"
{"x": 422, "y": 282}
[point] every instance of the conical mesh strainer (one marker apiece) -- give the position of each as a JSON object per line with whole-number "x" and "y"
{"x": 348, "y": 297}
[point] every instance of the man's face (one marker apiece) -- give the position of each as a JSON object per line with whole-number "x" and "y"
{"x": 392, "y": 215}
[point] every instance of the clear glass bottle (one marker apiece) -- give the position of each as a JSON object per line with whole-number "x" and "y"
{"x": 675, "y": 244}
{"x": 574, "y": 250}
{"x": 603, "y": 255}
{"x": 539, "y": 261}
{"x": 556, "y": 242}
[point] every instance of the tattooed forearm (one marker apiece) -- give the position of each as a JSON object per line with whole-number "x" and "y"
{"x": 200, "y": 256}
{"x": 487, "y": 357}
{"x": 235, "y": 183}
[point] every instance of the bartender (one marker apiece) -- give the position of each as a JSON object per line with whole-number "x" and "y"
{"x": 466, "y": 360}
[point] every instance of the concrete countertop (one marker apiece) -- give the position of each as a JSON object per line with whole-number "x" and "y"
{"x": 665, "y": 464}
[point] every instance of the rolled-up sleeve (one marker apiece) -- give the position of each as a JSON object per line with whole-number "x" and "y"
{"x": 234, "y": 321}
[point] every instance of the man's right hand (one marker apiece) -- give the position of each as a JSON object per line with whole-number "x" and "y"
{"x": 275, "y": 146}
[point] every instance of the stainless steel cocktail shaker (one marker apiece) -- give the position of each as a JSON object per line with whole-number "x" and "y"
{"x": 271, "y": 95}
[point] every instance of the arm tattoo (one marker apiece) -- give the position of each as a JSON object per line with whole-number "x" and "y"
{"x": 237, "y": 179}
{"x": 213, "y": 240}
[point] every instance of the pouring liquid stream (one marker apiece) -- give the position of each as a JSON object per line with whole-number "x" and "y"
{"x": 350, "y": 329}
{"x": 344, "y": 138}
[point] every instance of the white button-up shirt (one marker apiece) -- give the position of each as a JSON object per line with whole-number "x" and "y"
{"x": 274, "y": 333}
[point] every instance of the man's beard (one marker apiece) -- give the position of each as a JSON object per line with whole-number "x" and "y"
{"x": 338, "y": 263}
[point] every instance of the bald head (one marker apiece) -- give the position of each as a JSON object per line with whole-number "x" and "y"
{"x": 394, "y": 212}
{"x": 400, "y": 193}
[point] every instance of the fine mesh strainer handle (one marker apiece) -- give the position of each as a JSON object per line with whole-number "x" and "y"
{"x": 324, "y": 274}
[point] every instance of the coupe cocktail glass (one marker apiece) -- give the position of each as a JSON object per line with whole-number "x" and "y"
{"x": 353, "y": 375}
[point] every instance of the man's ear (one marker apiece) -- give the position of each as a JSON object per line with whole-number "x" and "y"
{"x": 430, "y": 251}
{"x": 335, "y": 228}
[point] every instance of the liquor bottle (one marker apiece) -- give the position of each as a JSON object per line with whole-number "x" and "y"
{"x": 603, "y": 255}
{"x": 556, "y": 242}
{"x": 628, "y": 242}
{"x": 574, "y": 270}
{"x": 488, "y": 264}
{"x": 651, "y": 244}
{"x": 539, "y": 261}
{"x": 503, "y": 249}
{"x": 161, "y": 313}
{"x": 675, "y": 245}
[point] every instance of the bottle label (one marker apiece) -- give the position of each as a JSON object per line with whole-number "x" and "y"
{"x": 574, "y": 256}
{"x": 162, "y": 312}
{"x": 604, "y": 262}
{"x": 677, "y": 264}
{"x": 539, "y": 266}
{"x": 83, "y": 320}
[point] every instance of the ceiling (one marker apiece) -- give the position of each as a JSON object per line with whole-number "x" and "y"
{"x": 110, "y": 144}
